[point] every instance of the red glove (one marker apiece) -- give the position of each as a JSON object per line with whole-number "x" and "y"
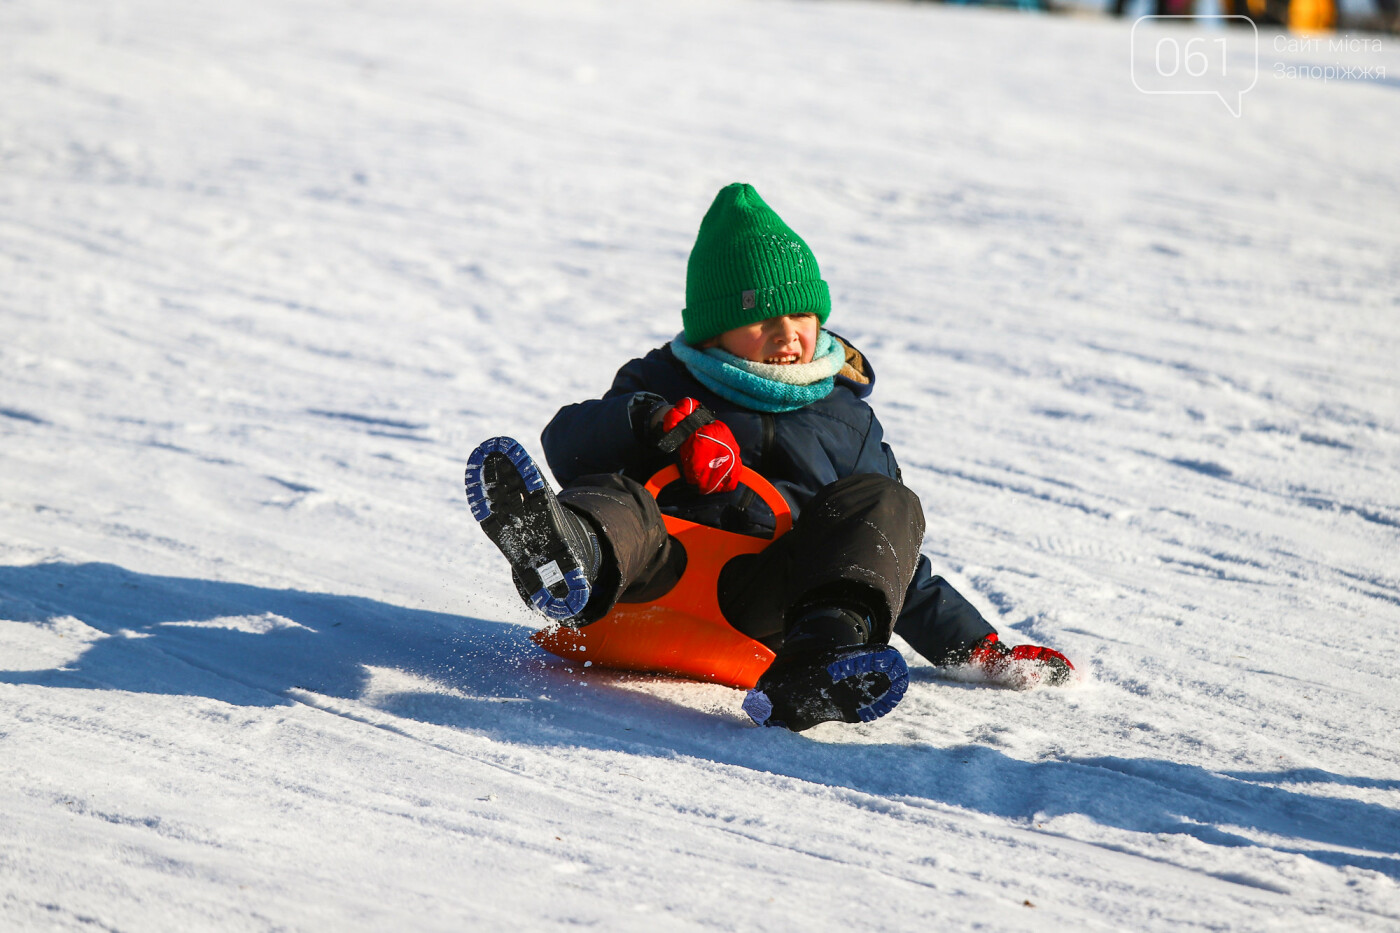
{"x": 706, "y": 449}
{"x": 1045, "y": 664}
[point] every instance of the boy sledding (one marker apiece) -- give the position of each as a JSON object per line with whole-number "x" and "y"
{"x": 754, "y": 379}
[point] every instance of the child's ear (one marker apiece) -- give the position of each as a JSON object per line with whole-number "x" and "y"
{"x": 707, "y": 344}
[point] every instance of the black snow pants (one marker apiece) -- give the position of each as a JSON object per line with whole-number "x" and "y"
{"x": 858, "y": 536}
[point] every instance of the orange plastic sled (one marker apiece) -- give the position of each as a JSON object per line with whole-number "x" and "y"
{"x": 682, "y": 632}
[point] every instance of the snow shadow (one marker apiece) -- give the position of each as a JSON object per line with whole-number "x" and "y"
{"x": 1148, "y": 796}
{"x": 604, "y": 711}
{"x": 236, "y": 643}
{"x": 110, "y": 628}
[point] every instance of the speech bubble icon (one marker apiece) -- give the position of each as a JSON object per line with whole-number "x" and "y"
{"x": 1191, "y": 61}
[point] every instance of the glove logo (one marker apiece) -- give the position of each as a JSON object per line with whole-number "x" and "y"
{"x": 705, "y": 448}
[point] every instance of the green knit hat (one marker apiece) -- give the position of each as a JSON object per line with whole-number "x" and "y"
{"x": 748, "y": 266}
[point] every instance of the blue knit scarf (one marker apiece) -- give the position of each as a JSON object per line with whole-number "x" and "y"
{"x": 765, "y": 386}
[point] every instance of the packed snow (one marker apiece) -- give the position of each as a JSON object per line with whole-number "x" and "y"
{"x": 270, "y": 270}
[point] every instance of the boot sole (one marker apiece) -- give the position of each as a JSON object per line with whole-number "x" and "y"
{"x": 859, "y": 685}
{"x": 514, "y": 505}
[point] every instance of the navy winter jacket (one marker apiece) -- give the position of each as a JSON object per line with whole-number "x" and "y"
{"x": 799, "y": 452}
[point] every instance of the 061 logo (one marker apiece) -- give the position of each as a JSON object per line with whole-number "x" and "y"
{"x": 1201, "y": 58}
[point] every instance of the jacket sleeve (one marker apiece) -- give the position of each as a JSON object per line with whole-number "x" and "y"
{"x": 875, "y": 455}
{"x": 601, "y": 435}
{"x": 936, "y": 620}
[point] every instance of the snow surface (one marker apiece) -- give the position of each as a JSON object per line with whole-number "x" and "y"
{"x": 269, "y": 270}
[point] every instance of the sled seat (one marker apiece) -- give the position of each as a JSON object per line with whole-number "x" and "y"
{"x": 682, "y": 632}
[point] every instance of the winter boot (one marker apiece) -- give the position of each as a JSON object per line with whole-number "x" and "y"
{"x": 826, "y": 626}
{"x": 826, "y": 672}
{"x": 1021, "y": 666}
{"x": 853, "y": 684}
{"x": 554, "y": 555}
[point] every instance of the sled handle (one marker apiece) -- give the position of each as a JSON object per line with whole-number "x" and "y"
{"x": 782, "y": 512}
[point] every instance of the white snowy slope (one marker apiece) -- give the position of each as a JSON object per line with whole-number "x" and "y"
{"x": 269, "y": 271}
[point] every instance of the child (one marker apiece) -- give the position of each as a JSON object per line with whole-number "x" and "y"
{"x": 755, "y": 378}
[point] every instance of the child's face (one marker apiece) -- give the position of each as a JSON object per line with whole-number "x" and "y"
{"x": 784, "y": 340}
